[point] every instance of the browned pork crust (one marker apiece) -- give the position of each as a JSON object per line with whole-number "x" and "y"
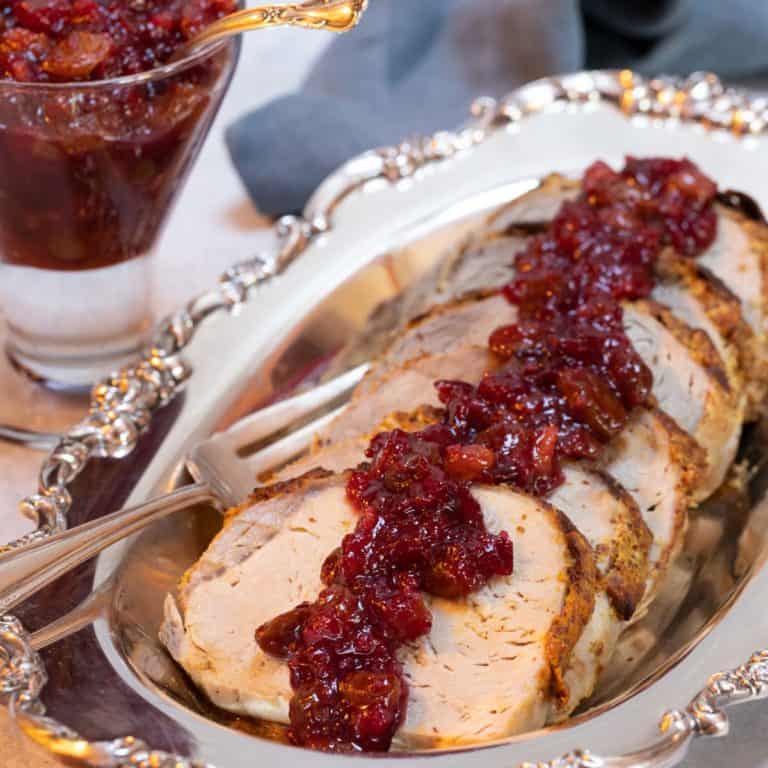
{"x": 578, "y": 605}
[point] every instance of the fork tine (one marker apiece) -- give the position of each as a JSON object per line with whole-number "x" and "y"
{"x": 219, "y": 461}
{"x": 237, "y": 477}
{"x": 274, "y": 418}
{"x": 280, "y": 452}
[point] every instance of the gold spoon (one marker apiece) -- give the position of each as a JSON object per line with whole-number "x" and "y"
{"x": 332, "y": 15}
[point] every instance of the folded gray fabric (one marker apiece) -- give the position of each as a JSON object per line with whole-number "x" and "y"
{"x": 416, "y": 76}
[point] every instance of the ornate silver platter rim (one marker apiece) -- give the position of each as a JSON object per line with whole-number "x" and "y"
{"x": 122, "y": 407}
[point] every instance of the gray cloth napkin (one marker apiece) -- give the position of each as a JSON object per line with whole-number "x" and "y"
{"x": 399, "y": 75}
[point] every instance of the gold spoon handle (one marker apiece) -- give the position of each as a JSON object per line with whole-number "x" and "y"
{"x": 332, "y": 15}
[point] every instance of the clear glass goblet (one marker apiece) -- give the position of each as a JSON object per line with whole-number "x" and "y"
{"x": 88, "y": 174}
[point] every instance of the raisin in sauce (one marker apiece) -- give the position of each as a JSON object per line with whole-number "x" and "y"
{"x": 567, "y": 381}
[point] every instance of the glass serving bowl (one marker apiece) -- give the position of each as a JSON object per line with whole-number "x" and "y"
{"x": 88, "y": 174}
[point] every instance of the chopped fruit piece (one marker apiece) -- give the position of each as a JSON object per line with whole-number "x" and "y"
{"x": 468, "y": 462}
{"x": 78, "y": 55}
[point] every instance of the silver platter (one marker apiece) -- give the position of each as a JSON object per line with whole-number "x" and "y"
{"x": 272, "y": 323}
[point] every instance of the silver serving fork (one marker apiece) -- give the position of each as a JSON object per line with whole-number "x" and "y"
{"x": 225, "y": 473}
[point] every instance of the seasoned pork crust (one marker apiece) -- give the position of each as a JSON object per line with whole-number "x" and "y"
{"x": 493, "y": 665}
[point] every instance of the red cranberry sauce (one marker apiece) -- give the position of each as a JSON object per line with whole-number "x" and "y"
{"x": 568, "y": 379}
{"x": 420, "y": 530}
{"x": 672, "y": 197}
{"x": 75, "y": 40}
{"x": 569, "y": 376}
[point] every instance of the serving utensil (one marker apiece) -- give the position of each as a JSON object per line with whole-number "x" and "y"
{"x": 225, "y": 467}
{"x": 330, "y": 15}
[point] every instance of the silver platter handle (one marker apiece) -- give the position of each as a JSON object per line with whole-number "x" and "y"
{"x": 122, "y": 406}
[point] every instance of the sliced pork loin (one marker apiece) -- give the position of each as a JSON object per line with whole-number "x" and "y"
{"x": 598, "y": 506}
{"x": 703, "y": 302}
{"x": 412, "y": 383}
{"x": 535, "y": 208}
{"x": 526, "y": 649}
{"x": 340, "y": 455}
{"x": 462, "y": 324}
{"x": 601, "y": 510}
{"x": 473, "y": 266}
{"x": 659, "y": 466}
{"x": 722, "y": 293}
{"x": 738, "y": 259}
{"x": 493, "y": 665}
{"x": 663, "y": 496}
{"x": 688, "y": 289}
{"x": 691, "y": 384}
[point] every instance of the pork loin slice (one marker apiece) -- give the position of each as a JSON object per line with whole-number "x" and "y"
{"x": 346, "y": 454}
{"x": 702, "y": 301}
{"x": 490, "y": 664}
{"x": 411, "y": 385}
{"x": 690, "y": 379}
{"x": 464, "y": 323}
{"x": 739, "y": 258}
{"x": 659, "y": 466}
{"x": 690, "y": 385}
{"x": 611, "y": 522}
{"x": 534, "y": 209}
{"x": 470, "y": 267}
{"x": 484, "y": 261}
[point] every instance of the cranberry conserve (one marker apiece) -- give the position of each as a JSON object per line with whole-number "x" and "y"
{"x": 88, "y": 171}
{"x": 566, "y": 381}
{"x": 67, "y": 40}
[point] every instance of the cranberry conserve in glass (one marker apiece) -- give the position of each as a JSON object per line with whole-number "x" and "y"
{"x": 96, "y": 139}
{"x": 567, "y": 380}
